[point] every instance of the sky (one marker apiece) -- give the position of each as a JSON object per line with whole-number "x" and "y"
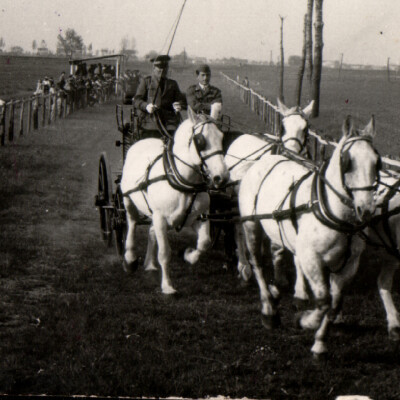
{"x": 364, "y": 31}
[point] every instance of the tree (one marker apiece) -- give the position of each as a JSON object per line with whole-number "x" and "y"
{"x": 43, "y": 44}
{"x": 128, "y": 47}
{"x": 302, "y": 64}
{"x": 71, "y": 42}
{"x": 2, "y": 43}
{"x": 281, "y": 97}
{"x": 294, "y": 60}
{"x": 151, "y": 54}
{"x": 318, "y": 46}
{"x": 309, "y": 52}
{"x": 34, "y": 45}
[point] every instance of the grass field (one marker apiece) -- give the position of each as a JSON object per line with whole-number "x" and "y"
{"x": 72, "y": 322}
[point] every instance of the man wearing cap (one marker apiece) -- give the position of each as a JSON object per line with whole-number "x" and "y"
{"x": 158, "y": 93}
{"x": 202, "y": 95}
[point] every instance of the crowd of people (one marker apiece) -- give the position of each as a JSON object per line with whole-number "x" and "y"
{"x": 86, "y": 86}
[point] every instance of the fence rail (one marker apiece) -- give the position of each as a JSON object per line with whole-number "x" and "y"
{"x": 19, "y": 117}
{"x": 319, "y": 148}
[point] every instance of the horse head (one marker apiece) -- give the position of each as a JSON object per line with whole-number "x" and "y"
{"x": 359, "y": 164}
{"x": 295, "y": 125}
{"x": 200, "y": 141}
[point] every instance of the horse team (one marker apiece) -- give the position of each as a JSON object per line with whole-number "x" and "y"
{"x": 321, "y": 214}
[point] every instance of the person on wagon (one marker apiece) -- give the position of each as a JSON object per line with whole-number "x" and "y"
{"x": 157, "y": 93}
{"x": 202, "y": 95}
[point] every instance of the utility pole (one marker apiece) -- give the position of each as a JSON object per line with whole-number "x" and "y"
{"x": 388, "y": 69}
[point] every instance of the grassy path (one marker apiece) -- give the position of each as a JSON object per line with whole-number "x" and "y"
{"x": 71, "y": 322}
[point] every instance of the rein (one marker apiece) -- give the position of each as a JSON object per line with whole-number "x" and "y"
{"x": 172, "y": 174}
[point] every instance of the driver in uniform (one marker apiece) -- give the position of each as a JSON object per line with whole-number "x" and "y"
{"x": 202, "y": 95}
{"x": 158, "y": 94}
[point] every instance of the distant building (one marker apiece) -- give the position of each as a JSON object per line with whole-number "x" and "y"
{"x": 43, "y": 51}
{"x": 16, "y": 50}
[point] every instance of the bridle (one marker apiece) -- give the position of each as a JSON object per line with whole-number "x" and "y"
{"x": 303, "y": 143}
{"x": 200, "y": 142}
{"x": 344, "y": 160}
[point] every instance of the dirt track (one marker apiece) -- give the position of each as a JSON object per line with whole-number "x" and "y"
{"x": 73, "y": 323}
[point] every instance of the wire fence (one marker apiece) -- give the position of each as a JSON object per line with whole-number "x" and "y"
{"x": 319, "y": 147}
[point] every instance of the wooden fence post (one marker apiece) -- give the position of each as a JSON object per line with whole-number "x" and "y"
{"x": 21, "y": 118}
{"x": 36, "y": 112}
{"x": 29, "y": 114}
{"x": 11, "y": 122}
{"x": 3, "y": 124}
{"x": 44, "y": 111}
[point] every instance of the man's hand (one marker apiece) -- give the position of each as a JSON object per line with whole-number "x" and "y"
{"x": 150, "y": 108}
{"x": 177, "y": 106}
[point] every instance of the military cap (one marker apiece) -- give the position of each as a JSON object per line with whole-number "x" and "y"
{"x": 203, "y": 68}
{"x": 160, "y": 61}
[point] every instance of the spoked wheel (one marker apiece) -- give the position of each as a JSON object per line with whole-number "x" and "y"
{"x": 119, "y": 223}
{"x": 103, "y": 199}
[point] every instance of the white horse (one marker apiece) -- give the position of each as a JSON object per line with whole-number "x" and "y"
{"x": 170, "y": 188}
{"x": 383, "y": 231}
{"x": 247, "y": 149}
{"x": 314, "y": 215}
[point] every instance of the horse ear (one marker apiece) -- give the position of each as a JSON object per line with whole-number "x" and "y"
{"x": 308, "y": 110}
{"x": 282, "y": 108}
{"x": 192, "y": 115}
{"x": 369, "y": 130}
{"x": 347, "y": 127}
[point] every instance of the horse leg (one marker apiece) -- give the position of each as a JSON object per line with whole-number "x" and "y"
{"x": 339, "y": 281}
{"x": 150, "y": 261}
{"x": 280, "y": 278}
{"x": 164, "y": 252}
{"x": 312, "y": 268}
{"x": 301, "y": 296}
{"x": 253, "y": 234}
{"x": 385, "y": 281}
{"x": 202, "y": 229}
{"x": 130, "y": 262}
{"x": 243, "y": 265}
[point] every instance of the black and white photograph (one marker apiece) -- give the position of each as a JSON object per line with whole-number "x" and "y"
{"x": 200, "y": 199}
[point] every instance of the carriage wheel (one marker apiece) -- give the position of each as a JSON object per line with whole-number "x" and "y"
{"x": 103, "y": 199}
{"x": 119, "y": 223}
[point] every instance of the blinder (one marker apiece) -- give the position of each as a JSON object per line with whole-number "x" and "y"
{"x": 345, "y": 166}
{"x": 200, "y": 141}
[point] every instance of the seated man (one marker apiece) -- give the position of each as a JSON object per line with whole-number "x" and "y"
{"x": 202, "y": 95}
{"x": 158, "y": 94}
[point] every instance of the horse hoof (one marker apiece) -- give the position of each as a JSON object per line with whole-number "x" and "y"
{"x": 394, "y": 334}
{"x": 169, "y": 291}
{"x": 319, "y": 358}
{"x": 301, "y": 304}
{"x": 271, "y": 322}
{"x": 130, "y": 267}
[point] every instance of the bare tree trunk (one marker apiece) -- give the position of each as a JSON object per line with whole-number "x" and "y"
{"x": 309, "y": 43}
{"x": 317, "y": 56}
{"x": 302, "y": 65}
{"x": 281, "y": 97}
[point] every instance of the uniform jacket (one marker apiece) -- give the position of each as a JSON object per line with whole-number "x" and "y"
{"x": 167, "y": 94}
{"x": 200, "y": 100}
